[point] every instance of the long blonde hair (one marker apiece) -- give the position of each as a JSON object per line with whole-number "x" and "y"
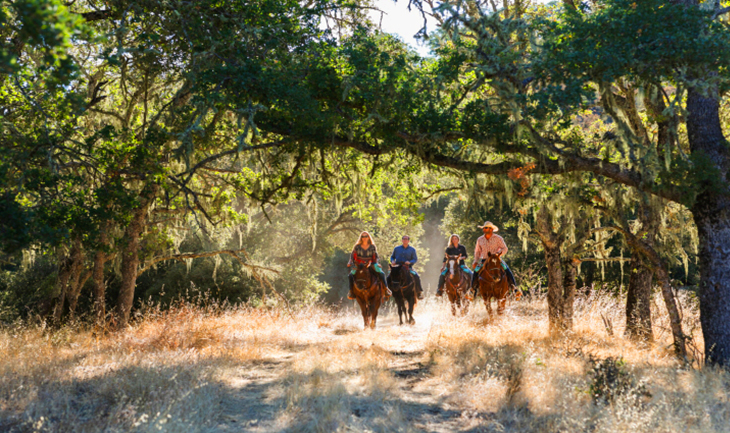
{"x": 359, "y": 240}
{"x": 458, "y": 240}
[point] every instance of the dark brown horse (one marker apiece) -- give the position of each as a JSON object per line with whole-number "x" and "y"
{"x": 368, "y": 290}
{"x": 403, "y": 286}
{"x": 457, "y": 286}
{"x": 493, "y": 283}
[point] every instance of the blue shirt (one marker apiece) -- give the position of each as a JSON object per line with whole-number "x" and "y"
{"x": 401, "y": 255}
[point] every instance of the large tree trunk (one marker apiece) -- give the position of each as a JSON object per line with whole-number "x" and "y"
{"x": 570, "y": 271}
{"x": 638, "y": 299}
{"x": 660, "y": 271}
{"x": 130, "y": 258}
{"x": 555, "y": 288}
{"x": 711, "y": 213}
{"x": 551, "y": 244}
{"x": 638, "y": 302}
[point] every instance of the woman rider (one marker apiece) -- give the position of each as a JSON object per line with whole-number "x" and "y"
{"x": 364, "y": 251}
{"x": 454, "y": 249}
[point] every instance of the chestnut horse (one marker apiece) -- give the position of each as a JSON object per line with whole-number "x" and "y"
{"x": 457, "y": 286}
{"x": 403, "y": 286}
{"x": 493, "y": 283}
{"x": 368, "y": 290}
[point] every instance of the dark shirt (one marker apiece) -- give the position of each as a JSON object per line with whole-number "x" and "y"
{"x": 455, "y": 251}
{"x": 401, "y": 255}
{"x": 362, "y": 255}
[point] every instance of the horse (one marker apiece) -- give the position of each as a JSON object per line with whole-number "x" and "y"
{"x": 368, "y": 290}
{"x": 403, "y": 286}
{"x": 457, "y": 286}
{"x": 493, "y": 283}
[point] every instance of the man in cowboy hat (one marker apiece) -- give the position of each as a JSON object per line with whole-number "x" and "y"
{"x": 489, "y": 243}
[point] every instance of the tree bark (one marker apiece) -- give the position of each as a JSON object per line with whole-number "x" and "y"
{"x": 570, "y": 271}
{"x": 638, "y": 299}
{"x": 551, "y": 244}
{"x": 660, "y": 271}
{"x": 711, "y": 213}
{"x": 64, "y": 274}
{"x": 638, "y": 302}
{"x": 100, "y": 258}
{"x": 74, "y": 287}
{"x": 130, "y": 258}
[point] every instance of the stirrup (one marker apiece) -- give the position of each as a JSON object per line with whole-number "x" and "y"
{"x": 350, "y": 295}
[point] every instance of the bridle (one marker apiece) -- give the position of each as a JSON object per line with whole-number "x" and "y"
{"x": 490, "y": 267}
{"x": 363, "y": 282}
{"x": 455, "y": 269}
{"x": 404, "y": 272}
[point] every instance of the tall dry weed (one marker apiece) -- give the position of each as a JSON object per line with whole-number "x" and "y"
{"x": 194, "y": 368}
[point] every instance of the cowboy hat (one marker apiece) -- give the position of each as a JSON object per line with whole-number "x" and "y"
{"x": 489, "y": 224}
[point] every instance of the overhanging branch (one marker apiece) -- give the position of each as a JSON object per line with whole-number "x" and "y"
{"x": 182, "y": 257}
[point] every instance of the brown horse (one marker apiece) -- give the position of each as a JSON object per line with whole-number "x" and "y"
{"x": 457, "y": 286}
{"x": 403, "y": 286}
{"x": 493, "y": 283}
{"x": 368, "y": 290}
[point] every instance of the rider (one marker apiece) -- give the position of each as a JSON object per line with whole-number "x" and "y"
{"x": 406, "y": 254}
{"x": 454, "y": 249}
{"x": 364, "y": 251}
{"x": 490, "y": 243}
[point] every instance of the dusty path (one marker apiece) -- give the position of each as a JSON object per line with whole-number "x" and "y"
{"x": 259, "y": 395}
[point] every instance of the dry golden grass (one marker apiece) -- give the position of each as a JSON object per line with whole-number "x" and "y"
{"x": 243, "y": 369}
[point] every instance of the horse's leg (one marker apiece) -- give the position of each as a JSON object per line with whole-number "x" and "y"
{"x": 501, "y": 305}
{"x": 401, "y": 307}
{"x": 364, "y": 310}
{"x": 374, "y": 306}
{"x": 411, "y": 305}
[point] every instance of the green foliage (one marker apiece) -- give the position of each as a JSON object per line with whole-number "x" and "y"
{"x": 647, "y": 40}
{"x": 25, "y": 291}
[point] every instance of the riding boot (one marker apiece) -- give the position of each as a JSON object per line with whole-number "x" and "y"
{"x": 442, "y": 281}
{"x": 475, "y": 283}
{"x": 350, "y": 294}
{"x": 388, "y": 293}
{"x": 419, "y": 289}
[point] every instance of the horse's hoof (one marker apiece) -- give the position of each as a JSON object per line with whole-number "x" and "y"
{"x": 412, "y": 322}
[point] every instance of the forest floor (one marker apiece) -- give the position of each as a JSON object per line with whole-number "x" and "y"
{"x": 241, "y": 369}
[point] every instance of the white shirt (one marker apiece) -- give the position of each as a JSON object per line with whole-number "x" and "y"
{"x": 494, "y": 245}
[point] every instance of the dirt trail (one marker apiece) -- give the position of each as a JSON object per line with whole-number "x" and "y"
{"x": 257, "y": 396}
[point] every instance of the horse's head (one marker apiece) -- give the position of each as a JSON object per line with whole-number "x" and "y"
{"x": 493, "y": 266}
{"x": 362, "y": 267}
{"x": 453, "y": 262}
